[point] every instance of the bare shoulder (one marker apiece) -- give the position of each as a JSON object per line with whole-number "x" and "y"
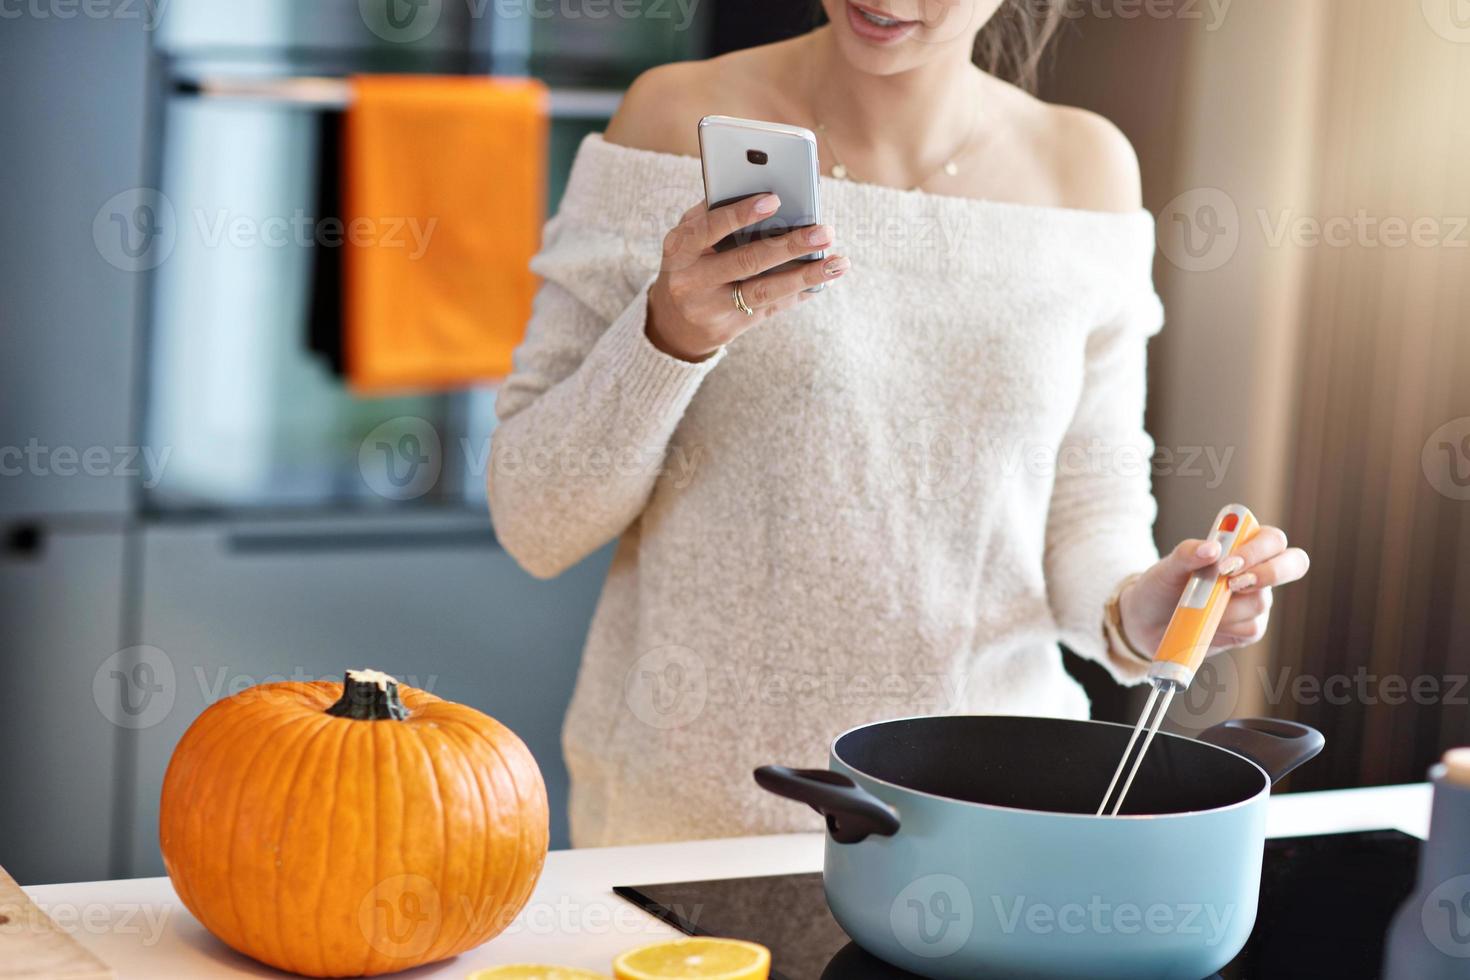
{"x": 1086, "y": 161}
{"x": 1097, "y": 166}
{"x": 662, "y": 109}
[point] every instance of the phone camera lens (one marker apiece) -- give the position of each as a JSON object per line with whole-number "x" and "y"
{"x": 757, "y": 157}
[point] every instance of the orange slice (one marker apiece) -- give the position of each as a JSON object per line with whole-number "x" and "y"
{"x": 695, "y": 959}
{"x": 535, "y": 971}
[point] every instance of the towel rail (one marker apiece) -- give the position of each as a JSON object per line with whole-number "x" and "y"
{"x": 323, "y": 92}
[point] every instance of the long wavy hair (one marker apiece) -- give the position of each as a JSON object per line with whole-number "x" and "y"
{"x": 1013, "y": 45}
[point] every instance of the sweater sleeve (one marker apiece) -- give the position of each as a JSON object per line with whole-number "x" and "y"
{"x": 586, "y": 416}
{"x": 1100, "y": 521}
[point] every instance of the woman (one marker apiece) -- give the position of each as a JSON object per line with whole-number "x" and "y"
{"x": 897, "y": 496}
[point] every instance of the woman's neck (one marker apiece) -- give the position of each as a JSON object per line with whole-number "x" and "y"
{"x": 891, "y": 128}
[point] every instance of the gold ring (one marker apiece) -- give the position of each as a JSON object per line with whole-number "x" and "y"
{"x": 740, "y": 303}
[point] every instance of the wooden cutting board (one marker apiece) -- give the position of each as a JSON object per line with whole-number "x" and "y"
{"x": 32, "y": 947}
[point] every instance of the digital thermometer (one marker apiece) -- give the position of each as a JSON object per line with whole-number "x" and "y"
{"x": 1186, "y": 641}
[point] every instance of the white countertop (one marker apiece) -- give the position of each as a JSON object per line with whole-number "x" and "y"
{"x": 139, "y": 928}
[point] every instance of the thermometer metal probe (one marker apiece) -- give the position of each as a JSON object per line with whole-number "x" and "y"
{"x": 1186, "y": 641}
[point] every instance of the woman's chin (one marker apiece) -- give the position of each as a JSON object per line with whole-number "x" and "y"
{"x": 871, "y": 59}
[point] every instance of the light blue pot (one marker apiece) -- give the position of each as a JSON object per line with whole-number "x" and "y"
{"x": 965, "y": 847}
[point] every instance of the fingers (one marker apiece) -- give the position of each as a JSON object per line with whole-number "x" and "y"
{"x": 1289, "y": 566}
{"x": 782, "y": 305}
{"x": 1187, "y": 558}
{"x": 1267, "y": 544}
{"x": 1246, "y": 608}
{"x": 1241, "y": 634}
{"x": 700, "y": 228}
{"x": 1246, "y": 619}
{"x": 763, "y": 255}
{"x": 1262, "y": 563}
{"x": 715, "y": 226}
{"x": 1193, "y": 553}
{"x": 773, "y": 288}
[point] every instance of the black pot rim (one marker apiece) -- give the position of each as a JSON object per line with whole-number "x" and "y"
{"x": 1264, "y": 791}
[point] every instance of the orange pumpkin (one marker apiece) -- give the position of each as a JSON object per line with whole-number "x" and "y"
{"x": 351, "y": 829}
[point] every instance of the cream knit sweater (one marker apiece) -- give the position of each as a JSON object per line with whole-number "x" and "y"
{"x": 895, "y": 500}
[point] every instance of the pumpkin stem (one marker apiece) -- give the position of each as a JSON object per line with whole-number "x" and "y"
{"x": 369, "y": 695}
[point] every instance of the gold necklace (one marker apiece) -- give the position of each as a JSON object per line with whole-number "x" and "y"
{"x": 839, "y": 169}
{"x": 951, "y": 166}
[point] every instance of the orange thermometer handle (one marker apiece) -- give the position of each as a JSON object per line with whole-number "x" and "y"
{"x": 1192, "y": 627}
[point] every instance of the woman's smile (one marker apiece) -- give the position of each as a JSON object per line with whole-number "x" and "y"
{"x": 874, "y": 25}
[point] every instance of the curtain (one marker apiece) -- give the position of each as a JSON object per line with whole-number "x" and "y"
{"x": 1374, "y": 647}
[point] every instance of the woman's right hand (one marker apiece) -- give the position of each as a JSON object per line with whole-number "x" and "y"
{"x": 691, "y": 305}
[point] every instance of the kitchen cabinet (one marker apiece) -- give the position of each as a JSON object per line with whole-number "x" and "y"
{"x": 61, "y": 620}
{"x": 430, "y": 599}
{"x": 74, "y": 162}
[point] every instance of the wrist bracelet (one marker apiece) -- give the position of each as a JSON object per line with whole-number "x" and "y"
{"x": 1113, "y": 624}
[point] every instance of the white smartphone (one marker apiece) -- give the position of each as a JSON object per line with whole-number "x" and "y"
{"x": 744, "y": 157}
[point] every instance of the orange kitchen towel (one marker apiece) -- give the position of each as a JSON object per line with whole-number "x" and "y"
{"x": 443, "y": 199}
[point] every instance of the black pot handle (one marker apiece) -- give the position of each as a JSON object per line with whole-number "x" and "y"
{"x": 853, "y": 814}
{"x": 1276, "y": 746}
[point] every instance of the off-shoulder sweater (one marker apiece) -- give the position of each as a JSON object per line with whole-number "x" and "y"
{"x": 899, "y": 498}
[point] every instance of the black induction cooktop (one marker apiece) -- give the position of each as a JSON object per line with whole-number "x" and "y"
{"x": 1326, "y": 902}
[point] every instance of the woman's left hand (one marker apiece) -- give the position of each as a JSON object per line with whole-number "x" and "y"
{"x": 1261, "y": 564}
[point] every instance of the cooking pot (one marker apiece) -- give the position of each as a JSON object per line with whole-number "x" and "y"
{"x": 967, "y": 846}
